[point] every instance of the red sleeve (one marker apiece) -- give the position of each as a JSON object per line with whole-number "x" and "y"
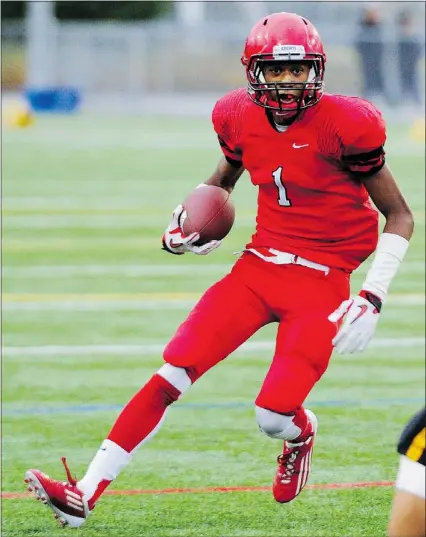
{"x": 362, "y": 136}
{"x": 226, "y": 122}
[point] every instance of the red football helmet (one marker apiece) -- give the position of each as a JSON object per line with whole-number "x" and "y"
{"x": 284, "y": 37}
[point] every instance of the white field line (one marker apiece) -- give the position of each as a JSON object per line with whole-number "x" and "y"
{"x": 78, "y": 244}
{"x": 178, "y": 142}
{"x": 72, "y": 204}
{"x": 146, "y": 305}
{"x": 98, "y": 218}
{"x": 155, "y": 348}
{"x": 82, "y": 222}
{"x": 133, "y": 302}
{"x": 105, "y": 209}
{"x": 203, "y": 138}
{"x": 135, "y": 219}
{"x": 70, "y": 271}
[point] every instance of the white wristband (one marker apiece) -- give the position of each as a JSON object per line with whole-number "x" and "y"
{"x": 390, "y": 251}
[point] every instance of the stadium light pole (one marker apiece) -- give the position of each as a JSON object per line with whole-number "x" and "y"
{"x": 190, "y": 13}
{"x": 41, "y": 46}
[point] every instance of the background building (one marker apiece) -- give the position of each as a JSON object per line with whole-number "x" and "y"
{"x": 150, "y": 55}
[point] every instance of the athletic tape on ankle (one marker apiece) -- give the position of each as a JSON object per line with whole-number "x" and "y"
{"x": 177, "y": 376}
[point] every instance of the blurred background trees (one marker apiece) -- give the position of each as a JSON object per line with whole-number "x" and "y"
{"x": 95, "y": 10}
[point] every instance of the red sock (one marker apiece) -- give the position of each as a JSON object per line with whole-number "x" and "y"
{"x": 301, "y": 420}
{"x": 143, "y": 413}
{"x": 139, "y": 420}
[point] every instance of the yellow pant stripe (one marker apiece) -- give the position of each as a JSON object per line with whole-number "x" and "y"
{"x": 417, "y": 446}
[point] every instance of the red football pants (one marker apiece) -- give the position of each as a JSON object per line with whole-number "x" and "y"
{"x": 254, "y": 294}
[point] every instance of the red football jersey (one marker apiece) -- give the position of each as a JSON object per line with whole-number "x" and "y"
{"x": 311, "y": 201}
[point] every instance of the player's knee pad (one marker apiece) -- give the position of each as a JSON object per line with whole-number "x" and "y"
{"x": 177, "y": 376}
{"x": 276, "y": 425}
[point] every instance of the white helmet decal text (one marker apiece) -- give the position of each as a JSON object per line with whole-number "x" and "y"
{"x": 288, "y": 52}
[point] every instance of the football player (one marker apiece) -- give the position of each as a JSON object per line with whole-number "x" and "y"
{"x": 316, "y": 160}
{"x": 408, "y": 517}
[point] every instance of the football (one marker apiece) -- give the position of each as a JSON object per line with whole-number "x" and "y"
{"x": 210, "y": 212}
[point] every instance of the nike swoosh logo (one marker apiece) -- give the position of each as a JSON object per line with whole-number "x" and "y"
{"x": 363, "y": 309}
{"x": 175, "y": 244}
{"x": 299, "y": 146}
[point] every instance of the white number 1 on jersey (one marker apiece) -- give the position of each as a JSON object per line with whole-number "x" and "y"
{"x": 282, "y": 192}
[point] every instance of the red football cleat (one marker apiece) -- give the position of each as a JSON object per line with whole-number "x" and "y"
{"x": 64, "y": 498}
{"x": 294, "y": 465}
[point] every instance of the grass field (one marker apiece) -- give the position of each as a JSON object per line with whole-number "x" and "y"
{"x": 89, "y": 299}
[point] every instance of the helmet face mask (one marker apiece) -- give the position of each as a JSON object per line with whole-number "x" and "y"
{"x": 268, "y": 94}
{"x": 284, "y": 38}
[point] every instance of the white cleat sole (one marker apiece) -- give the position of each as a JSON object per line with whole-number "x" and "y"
{"x": 36, "y": 487}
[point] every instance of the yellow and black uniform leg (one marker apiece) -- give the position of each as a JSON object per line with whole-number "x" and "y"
{"x": 412, "y": 443}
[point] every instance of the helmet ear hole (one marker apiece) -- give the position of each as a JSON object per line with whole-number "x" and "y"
{"x": 265, "y": 22}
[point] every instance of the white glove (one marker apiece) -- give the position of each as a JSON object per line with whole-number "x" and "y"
{"x": 361, "y": 316}
{"x": 175, "y": 242}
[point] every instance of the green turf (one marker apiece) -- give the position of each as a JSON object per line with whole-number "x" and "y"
{"x": 85, "y": 201}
